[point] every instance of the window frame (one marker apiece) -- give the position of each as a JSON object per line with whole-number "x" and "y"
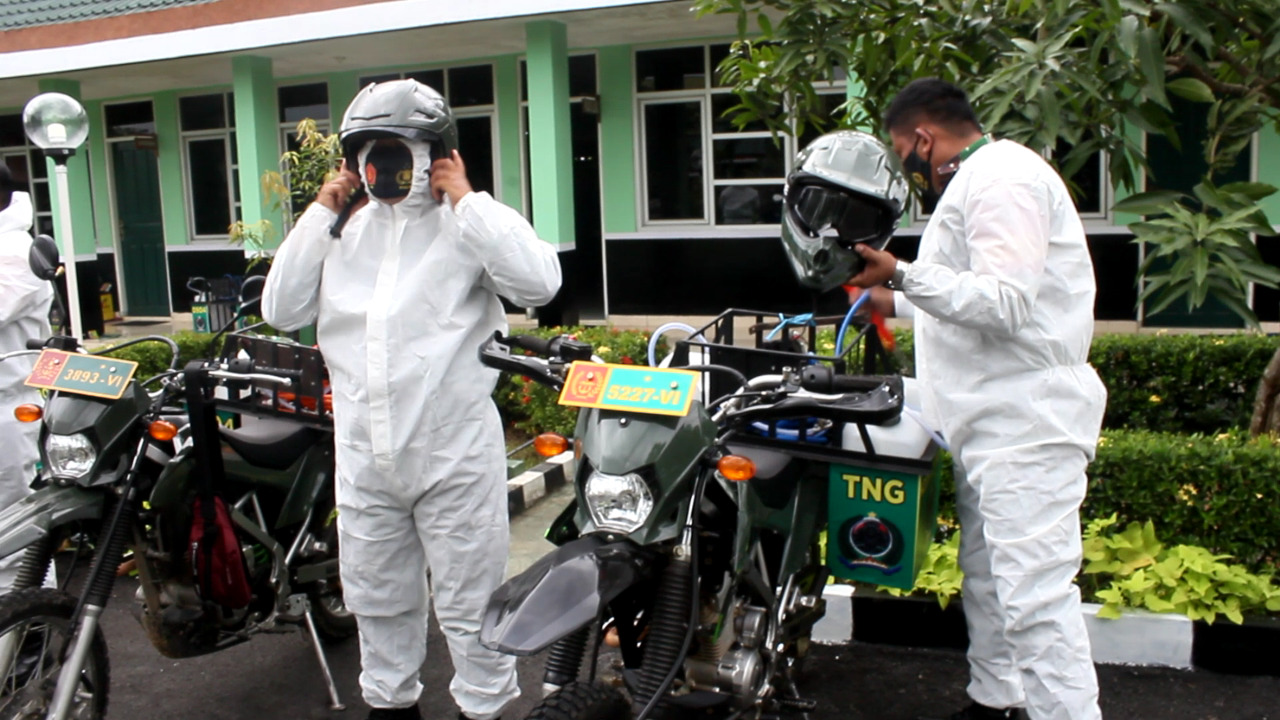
{"x": 33, "y": 155}
{"x": 711, "y": 185}
{"x": 227, "y": 135}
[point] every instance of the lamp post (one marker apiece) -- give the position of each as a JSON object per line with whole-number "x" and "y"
{"x": 58, "y": 125}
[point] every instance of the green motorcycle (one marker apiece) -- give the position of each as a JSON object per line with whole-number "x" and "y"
{"x": 694, "y": 541}
{"x": 124, "y": 460}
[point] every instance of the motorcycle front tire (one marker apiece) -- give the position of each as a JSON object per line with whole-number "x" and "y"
{"x": 583, "y": 701}
{"x": 24, "y": 610}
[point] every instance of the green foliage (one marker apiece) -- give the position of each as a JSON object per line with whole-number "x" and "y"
{"x": 533, "y": 408}
{"x": 1198, "y": 244}
{"x": 1218, "y": 492}
{"x": 1066, "y": 77}
{"x": 1186, "y": 579}
{"x": 304, "y": 170}
{"x": 1182, "y": 382}
{"x": 153, "y": 357}
{"x": 940, "y": 573}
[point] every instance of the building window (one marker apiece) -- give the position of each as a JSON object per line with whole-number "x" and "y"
{"x": 471, "y": 94}
{"x": 212, "y": 168}
{"x": 27, "y": 166}
{"x": 696, "y": 166}
{"x": 1090, "y": 185}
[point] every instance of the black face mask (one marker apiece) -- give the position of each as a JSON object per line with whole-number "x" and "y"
{"x": 920, "y": 172}
{"x": 388, "y": 169}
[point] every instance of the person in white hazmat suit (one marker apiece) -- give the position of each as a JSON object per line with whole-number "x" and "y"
{"x": 1002, "y": 295}
{"x": 402, "y": 301}
{"x": 24, "y": 315}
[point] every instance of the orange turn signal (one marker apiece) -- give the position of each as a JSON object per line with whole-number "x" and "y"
{"x": 28, "y": 413}
{"x": 163, "y": 430}
{"x": 736, "y": 468}
{"x": 550, "y": 444}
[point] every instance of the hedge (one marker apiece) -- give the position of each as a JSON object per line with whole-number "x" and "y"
{"x": 1215, "y": 491}
{"x": 153, "y": 357}
{"x": 1161, "y": 382}
{"x": 1181, "y": 383}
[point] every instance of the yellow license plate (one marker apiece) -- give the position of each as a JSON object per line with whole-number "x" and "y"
{"x": 632, "y": 388}
{"x": 90, "y": 375}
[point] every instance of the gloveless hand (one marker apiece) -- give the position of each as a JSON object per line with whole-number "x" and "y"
{"x": 449, "y": 177}
{"x": 334, "y": 193}
{"x": 879, "y": 268}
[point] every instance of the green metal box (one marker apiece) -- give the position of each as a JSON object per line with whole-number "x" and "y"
{"x": 880, "y": 523}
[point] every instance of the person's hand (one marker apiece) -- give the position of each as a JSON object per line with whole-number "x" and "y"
{"x": 334, "y": 193}
{"x": 879, "y": 268}
{"x": 449, "y": 177}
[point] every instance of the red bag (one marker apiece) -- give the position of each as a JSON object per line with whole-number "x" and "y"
{"x": 217, "y": 559}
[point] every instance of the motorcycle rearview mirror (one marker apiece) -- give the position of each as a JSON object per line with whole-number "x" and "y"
{"x": 251, "y": 295}
{"x": 43, "y": 258}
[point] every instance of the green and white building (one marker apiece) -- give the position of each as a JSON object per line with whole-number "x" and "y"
{"x": 600, "y": 120}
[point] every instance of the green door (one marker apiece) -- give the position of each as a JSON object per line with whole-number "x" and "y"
{"x": 137, "y": 185}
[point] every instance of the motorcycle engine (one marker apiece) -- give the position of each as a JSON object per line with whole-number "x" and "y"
{"x": 730, "y": 662}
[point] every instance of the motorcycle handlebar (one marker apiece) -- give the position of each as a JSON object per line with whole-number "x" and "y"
{"x": 823, "y": 379}
{"x": 528, "y": 342}
{"x": 35, "y": 344}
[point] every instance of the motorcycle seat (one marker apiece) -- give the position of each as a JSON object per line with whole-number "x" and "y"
{"x": 270, "y": 443}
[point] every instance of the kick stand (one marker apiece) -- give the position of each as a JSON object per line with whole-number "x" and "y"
{"x": 334, "y": 702}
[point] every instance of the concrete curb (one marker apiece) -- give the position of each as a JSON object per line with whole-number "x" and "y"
{"x": 532, "y": 485}
{"x": 1136, "y": 638}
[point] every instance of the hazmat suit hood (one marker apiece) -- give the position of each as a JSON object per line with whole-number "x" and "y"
{"x": 419, "y": 198}
{"x": 19, "y": 216}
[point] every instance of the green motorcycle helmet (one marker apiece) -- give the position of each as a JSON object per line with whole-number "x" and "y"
{"x": 398, "y": 109}
{"x": 847, "y": 188}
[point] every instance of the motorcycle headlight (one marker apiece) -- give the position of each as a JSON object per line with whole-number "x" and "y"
{"x": 618, "y": 502}
{"x": 70, "y": 455}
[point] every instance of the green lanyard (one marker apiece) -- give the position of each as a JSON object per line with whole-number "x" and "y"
{"x": 951, "y": 167}
{"x": 973, "y": 148}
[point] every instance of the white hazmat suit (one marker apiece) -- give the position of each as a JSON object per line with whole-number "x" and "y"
{"x": 24, "y": 315}
{"x": 1003, "y": 288}
{"x": 401, "y": 303}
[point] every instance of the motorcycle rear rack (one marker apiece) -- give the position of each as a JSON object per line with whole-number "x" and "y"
{"x": 306, "y": 401}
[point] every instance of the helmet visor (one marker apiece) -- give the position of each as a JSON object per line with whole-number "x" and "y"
{"x": 821, "y": 210}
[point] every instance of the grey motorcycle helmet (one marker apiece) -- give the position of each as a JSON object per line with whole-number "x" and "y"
{"x": 846, "y": 188}
{"x": 398, "y": 109}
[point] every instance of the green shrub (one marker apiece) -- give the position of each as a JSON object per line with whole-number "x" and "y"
{"x": 1217, "y": 492}
{"x": 1181, "y": 383}
{"x": 532, "y": 407}
{"x": 1162, "y": 382}
{"x": 1133, "y": 569}
{"x": 153, "y": 357}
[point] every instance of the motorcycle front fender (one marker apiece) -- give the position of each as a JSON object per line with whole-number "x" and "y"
{"x": 35, "y": 515}
{"x": 561, "y": 593}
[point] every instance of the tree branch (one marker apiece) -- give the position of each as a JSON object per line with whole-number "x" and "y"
{"x": 1181, "y": 63}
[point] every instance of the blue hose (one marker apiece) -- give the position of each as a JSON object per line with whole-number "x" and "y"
{"x": 844, "y": 326}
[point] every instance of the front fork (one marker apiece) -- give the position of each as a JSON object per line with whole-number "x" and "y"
{"x": 102, "y": 575}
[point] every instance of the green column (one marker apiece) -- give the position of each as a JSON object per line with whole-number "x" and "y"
{"x": 550, "y": 143}
{"x": 78, "y": 185}
{"x": 96, "y": 147}
{"x": 507, "y": 74}
{"x": 257, "y": 146}
{"x": 342, "y": 88}
{"x": 617, "y": 138}
{"x": 173, "y": 200}
{"x": 1269, "y": 168}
